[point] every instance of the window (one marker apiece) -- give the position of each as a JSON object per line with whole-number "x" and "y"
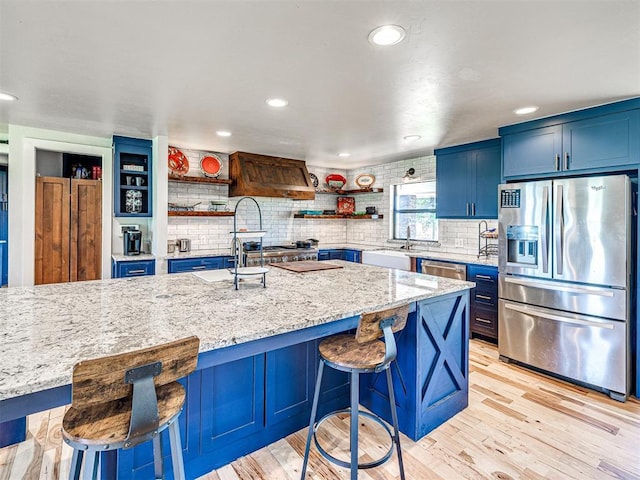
{"x": 414, "y": 207}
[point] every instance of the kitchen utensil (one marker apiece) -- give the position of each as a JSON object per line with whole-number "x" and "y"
{"x": 303, "y": 244}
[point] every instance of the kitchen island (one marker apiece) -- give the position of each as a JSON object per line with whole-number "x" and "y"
{"x": 258, "y": 352}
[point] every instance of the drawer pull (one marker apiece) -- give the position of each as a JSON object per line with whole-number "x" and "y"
{"x": 201, "y": 267}
{"x": 484, "y": 277}
{"x": 483, "y": 297}
{"x": 130, "y": 272}
{"x": 483, "y": 320}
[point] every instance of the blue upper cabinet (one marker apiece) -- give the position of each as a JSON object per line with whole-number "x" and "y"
{"x": 534, "y": 152}
{"x": 594, "y": 140}
{"x": 467, "y": 178}
{"x": 132, "y": 177}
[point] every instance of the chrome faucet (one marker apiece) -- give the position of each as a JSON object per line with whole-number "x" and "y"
{"x": 407, "y": 244}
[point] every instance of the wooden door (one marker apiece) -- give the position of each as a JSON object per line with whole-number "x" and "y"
{"x": 85, "y": 255}
{"x": 52, "y": 230}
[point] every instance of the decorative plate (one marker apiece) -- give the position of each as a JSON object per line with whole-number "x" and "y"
{"x": 314, "y": 180}
{"x": 335, "y": 181}
{"x": 210, "y": 165}
{"x": 365, "y": 180}
{"x": 178, "y": 162}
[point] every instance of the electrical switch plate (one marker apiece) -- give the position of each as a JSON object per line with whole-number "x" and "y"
{"x": 459, "y": 242}
{"x": 203, "y": 239}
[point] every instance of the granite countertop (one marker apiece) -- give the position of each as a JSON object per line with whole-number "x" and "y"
{"x": 420, "y": 253}
{"x": 45, "y": 330}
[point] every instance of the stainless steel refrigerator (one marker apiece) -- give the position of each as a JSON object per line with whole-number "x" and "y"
{"x": 565, "y": 277}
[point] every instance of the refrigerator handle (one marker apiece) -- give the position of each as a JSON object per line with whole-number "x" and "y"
{"x": 558, "y": 230}
{"x": 545, "y": 232}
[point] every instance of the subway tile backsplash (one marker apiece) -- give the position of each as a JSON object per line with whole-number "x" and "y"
{"x": 277, "y": 213}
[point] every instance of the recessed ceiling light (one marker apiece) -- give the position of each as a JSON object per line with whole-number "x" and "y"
{"x": 387, "y": 35}
{"x": 223, "y": 133}
{"x": 525, "y": 110}
{"x": 344, "y": 154}
{"x": 411, "y": 138}
{"x": 277, "y": 102}
{"x": 8, "y": 97}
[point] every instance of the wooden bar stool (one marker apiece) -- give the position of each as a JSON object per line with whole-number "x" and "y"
{"x": 124, "y": 400}
{"x": 362, "y": 353}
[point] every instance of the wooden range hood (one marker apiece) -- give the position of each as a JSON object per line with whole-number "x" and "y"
{"x": 265, "y": 176}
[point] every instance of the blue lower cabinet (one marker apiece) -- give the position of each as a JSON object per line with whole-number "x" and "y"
{"x": 431, "y": 375}
{"x": 179, "y": 265}
{"x": 340, "y": 254}
{"x": 123, "y": 269}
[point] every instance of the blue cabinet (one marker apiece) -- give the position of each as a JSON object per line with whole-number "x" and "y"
{"x": 135, "y": 268}
{"x": 132, "y": 180}
{"x": 484, "y": 301}
{"x": 179, "y": 265}
{"x": 467, "y": 178}
{"x": 596, "y": 143}
{"x": 347, "y": 254}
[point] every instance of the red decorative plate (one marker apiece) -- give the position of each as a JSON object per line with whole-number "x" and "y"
{"x": 210, "y": 165}
{"x": 335, "y": 181}
{"x": 178, "y": 162}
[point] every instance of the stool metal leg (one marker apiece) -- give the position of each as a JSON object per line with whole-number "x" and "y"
{"x": 76, "y": 464}
{"x": 176, "y": 450}
{"x": 91, "y": 464}
{"x": 158, "y": 464}
{"x": 394, "y": 416}
{"x": 355, "y": 404}
{"x": 312, "y": 422}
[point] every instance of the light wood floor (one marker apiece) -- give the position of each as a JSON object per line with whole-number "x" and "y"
{"x": 519, "y": 425}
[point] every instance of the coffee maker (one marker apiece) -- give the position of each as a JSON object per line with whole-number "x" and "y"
{"x": 132, "y": 242}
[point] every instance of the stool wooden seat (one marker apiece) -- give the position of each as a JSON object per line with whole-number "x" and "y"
{"x": 123, "y": 400}
{"x": 356, "y": 354}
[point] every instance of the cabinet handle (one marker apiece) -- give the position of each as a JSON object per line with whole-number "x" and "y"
{"x": 131, "y": 272}
{"x": 557, "y": 162}
{"x": 467, "y": 209}
{"x": 483, "y": 297}
{"x": 201, "y": 267}
{"x": 483, "y": 277}
{"x": 473, "y": 209}
{"x": 566, "y": 160}
{"x": 483, "y": 320}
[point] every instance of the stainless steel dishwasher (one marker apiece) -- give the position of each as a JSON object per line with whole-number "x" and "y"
{"x": 445, "y": 269}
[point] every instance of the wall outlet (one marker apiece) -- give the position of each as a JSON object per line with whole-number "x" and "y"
{"x": 203, "y": 239}
{"x": 459, "y": 242}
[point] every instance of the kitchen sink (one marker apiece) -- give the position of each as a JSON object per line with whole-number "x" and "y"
{"x": 387, "y": 258}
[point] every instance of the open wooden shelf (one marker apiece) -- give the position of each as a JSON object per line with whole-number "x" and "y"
{"x": 352, "y": 192}
{"x": 187, "y": 179}
{"x": 186, "y": 213}
{"x": 343, "y": 217}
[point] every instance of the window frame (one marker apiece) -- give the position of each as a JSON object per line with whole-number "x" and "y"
{"x": 395, "y": 210}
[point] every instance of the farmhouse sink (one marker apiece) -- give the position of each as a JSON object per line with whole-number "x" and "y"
{"x": 387, "y": 258}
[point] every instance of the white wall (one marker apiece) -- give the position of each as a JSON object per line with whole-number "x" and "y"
{"x": 23, "y": 142}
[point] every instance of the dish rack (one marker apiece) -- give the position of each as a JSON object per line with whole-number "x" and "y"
{"x": 485, "y": 234}
{"x": 239, "y": 271}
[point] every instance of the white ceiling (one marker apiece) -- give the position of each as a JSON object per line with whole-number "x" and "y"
{"x": 188, "y": 68}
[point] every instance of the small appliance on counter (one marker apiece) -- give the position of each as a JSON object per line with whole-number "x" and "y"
{"x": 184, "y": 245}
{"x": 132, "y": 238}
